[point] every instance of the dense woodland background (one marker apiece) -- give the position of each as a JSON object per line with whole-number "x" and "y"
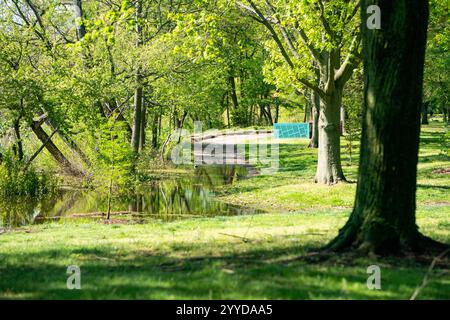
{"x": 93, "y": 97}
{"x": 81, "y": 78}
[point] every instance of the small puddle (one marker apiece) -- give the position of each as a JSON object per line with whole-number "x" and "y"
{"x": 169, "y": 199}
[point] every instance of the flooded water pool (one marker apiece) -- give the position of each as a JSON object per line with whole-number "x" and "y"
{"x": 180, "y": 197}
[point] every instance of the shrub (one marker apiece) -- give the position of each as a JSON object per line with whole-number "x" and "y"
{"x": 18, "y": 181}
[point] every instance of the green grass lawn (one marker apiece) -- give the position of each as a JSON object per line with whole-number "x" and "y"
{"x": 244, "y": 257}
{"x": 292, "y": 188}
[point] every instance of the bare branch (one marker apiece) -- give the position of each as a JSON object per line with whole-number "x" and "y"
{"x": 427, "y": 275}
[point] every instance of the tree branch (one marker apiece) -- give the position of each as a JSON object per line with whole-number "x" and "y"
{"x": 267, "y": 23}
{"x": 38, "y": 151}
{"x": 354, "y": 11}
{"x": 314, "y": 52}
{"x": 324, "y": 21}
{"x": 351, "y": 61}
{"x": 287, "y": 38}
{"x": 253, "y": 13}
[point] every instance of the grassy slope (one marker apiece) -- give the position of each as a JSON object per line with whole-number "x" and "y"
{"x": 292, "y": 188}
{"x": 232, "y": 257}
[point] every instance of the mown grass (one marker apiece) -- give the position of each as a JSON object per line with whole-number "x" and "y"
{"x": 246, "y": 257}
{"x": 243, "y": 257}
{"x": 292, "y": 188}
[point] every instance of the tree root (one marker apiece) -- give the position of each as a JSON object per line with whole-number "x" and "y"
{"x": 350, "y": 238}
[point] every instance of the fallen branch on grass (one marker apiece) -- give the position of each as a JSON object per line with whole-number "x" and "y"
{"x": 427, "y": 275}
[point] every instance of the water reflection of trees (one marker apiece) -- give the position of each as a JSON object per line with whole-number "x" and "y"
{"x": 21, "y": 211}
{"x": 167, "y": 199}
{"x": 16, "y": 212}
{"x": 188, "y": 195}
{"x": 219, "y": 175}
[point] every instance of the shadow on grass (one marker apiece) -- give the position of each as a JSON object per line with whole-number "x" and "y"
{"x": 433, "y": 158}
{"x": 255, "y": 274}
{"x": 433, "y": 187}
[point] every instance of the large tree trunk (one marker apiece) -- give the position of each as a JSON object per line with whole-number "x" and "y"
{"x": 425, "y": 113}
{"x": 383, "y": 218}
{"x": 53, "y": 150}
{"x": 329, "y": 168}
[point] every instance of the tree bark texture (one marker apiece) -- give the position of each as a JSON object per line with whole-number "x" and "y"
{"x": 383, "y": 218}
{"x": 315, "y": 109}
{"x": 329, "y": 168}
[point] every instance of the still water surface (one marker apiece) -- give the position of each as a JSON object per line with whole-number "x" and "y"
{"x": 187, "y": 196}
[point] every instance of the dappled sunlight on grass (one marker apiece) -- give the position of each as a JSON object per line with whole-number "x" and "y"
{"x": 240, "y": 257}
{"x": 203, "y": 259}
{"x": 292, "y": 188}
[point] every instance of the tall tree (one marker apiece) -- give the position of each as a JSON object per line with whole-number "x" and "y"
{"x": 304, "y": 46}
{"x": 383, "y": 219}
{"x": 437, "y": 60}
{"x": 138, "y": 93}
